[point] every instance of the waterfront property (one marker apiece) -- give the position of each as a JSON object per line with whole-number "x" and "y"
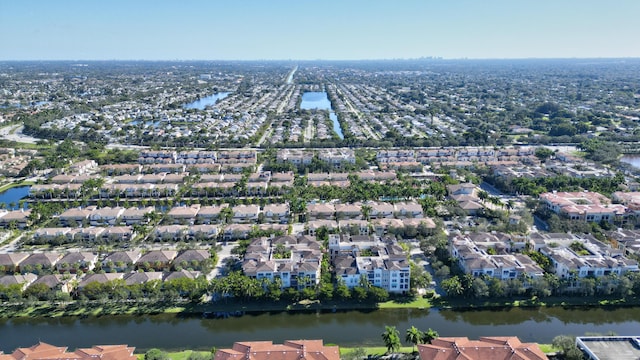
{"x": 609, "y": 347}
{"x": 494, "y": 348}
{"x": 291, "y": 349}
{"x": 42, "y": 351}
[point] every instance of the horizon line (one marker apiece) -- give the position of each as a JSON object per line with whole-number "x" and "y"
{"x": 432, "y": 58}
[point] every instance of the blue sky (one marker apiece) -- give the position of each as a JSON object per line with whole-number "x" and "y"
{"x": 316, "y": 29}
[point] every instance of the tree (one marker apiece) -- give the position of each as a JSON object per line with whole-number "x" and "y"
{"x": 156, "y": 354}
{"x": 567, "y": 345}
{"x": 543, "y": 153}
{"x": 452, "y": 286}
{"x": 391, "y": 338}
{"x": 414, "y": 336}
{"x": 429, "y": 335}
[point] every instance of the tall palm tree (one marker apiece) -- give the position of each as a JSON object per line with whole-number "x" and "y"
{"x": 414, "y": 336}
{"x": 391, "y": 338}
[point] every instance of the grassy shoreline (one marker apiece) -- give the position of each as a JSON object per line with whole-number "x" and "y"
{"x": 11, "y": 185}
{"x": 83, "y": 309}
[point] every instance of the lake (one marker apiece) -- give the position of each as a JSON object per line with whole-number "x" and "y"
{"x": 14, "y": 195}
{"x": 350, "y": 328}
{"x": 202, "y": 103}
{"x": 320, "y": 100}
{"x": 633, "y": 160}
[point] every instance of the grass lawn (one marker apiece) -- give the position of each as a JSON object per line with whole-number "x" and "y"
{"x": 374, "y": 350}
{"x": 547, "y": 348}
{"x": 417, "y": 303}
{"x": 15, "y": 184}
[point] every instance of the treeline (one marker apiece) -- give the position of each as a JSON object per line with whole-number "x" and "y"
{"x": 539, "y": 185}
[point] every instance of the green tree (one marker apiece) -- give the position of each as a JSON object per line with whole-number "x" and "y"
{"x": 391, "y": 338}
{"x": 429, "y": 335}
{"x": 156, "y": 354}
{"x": 452, "y": 286}
{"x": 414, "y": 336}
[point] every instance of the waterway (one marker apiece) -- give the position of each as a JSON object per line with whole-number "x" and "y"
{"x": 14, "y": 195}
{"x": 633, "y": 160}
{"x": 202, "y": 103}
{"x": 320, "y": 100}
{"x": 352, "y": 328}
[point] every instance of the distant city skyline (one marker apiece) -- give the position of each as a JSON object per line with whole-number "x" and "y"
{"x": 309, "y": 30}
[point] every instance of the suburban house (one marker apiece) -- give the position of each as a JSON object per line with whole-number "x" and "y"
{"x": 105, "y": 216}
{"x": 192, "y": 259}
{"x": 99, "y": 278}
{"x": 23, "y": 280}
{"x": 10, "y": 262}
{"x": 276, "y": 213}
{"x": 244, "y": 214}
{"x": 121, "y": 261}
{"x": 410, "y": 209}
{"x": 156, "y": 259}
{"x": 56, "y": 282}
{"x": 74, "y": 261}
{"x": 321, "y": 211}
{"x": 210, "y": 214}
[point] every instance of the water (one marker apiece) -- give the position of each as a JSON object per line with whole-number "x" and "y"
{"x": 634, "y": 160}
{"x": 146, "y": 123}
{"x": 14, "y": 195}
{"x": 202, "y": 103}
{"x": 350, "y": 328}
{"x": 320, "y": 101}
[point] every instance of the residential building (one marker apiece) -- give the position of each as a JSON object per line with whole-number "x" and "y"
{"x": 266, "y": 350}
{"x": 494, "y": 348}
{"x": 43, "y": 351}
{"x": 586, "y": 206}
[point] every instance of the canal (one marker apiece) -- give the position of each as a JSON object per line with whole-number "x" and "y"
{"x": 320, "y": 100}
{"x": 351, "y": 328}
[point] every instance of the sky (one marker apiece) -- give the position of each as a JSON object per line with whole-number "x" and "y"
{"x": 316, "y": 29}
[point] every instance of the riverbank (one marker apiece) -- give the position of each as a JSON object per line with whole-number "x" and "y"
{"x": 11, "y": 185}
{"x": 227, "y": 309}
{"x": 372, "y": 351}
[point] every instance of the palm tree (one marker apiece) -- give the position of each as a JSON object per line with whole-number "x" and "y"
{"x": 429, "y": 335}
{"x": 414, "y": 336}
{"x": 391, "y": 338}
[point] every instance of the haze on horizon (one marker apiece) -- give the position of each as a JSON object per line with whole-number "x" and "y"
{"x": 308, "y": 30}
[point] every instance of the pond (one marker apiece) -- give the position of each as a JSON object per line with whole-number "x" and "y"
{"x": 202, "y": 103}
{"x": 14, "y": 195}
{"x": 320, "y": 100}
{"x": 349, "y": 328}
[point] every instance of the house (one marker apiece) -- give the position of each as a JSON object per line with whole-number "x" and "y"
{"x": 359, "y": 227}
{"x": 203, "y": 232}
{"x": 105, "y": 216}
{"x": 276, "y": 213}
{"x": 170, "y": 232}
{"x": 314, "y": 225}
{"x": 23, "y": 280}
{"x": 379, "y": 210}
{"x": 43, "y": 351}
{"x": 321, "y": 211}
{"x": 18, "y": 217}
{"x": 183, "y": 214}
{"x": 141, "y": 278}
{"x": 121, "y": 261}
{"x": 192, "y": 259}
{"x": 348, "y": 211}
{"x": 265, "y": 350}
{"x": 134, "y": 215}
{"x": 156, "y": 259}
{"x": 83, "y": 167}
{"x": 56, "y": 282}
{"x": 10, "y": 262}
{"x": 210, "y": 214}
{"x": 88, "y": 234}
{"x": 245, "y": 213}
{"x": 236, "y": 231}
{"x": 494, "y": 348}
{"x": 409, "y": 209}
{"x": 74, "y": 261}
{"x": 118, "y": 233}
{"x": 75, "y": 216}
{"x": 48, "y": 234}
{"x": 183, "y": 273}
{"x": 36, "y": 261}
{"x": 98, "y": 278}
{"x": 461, "y": 189}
